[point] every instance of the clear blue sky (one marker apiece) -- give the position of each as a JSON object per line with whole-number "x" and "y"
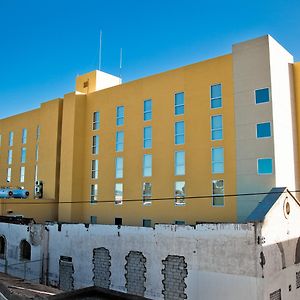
{"x": 46, "y": 43}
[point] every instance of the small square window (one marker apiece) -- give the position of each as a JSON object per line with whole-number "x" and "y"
{"x": 263, "y": 130}
{"x": 93, "y": 219}
{"x": 262, "y": 95}
{"x": 118, "y": 221}
{"x": 264, "y": 166}
{"x": 147, "y": 223}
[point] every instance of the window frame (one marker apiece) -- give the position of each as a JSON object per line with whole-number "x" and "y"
{"x": 179, "y": 134}
{"x": 179, "y": 105}
{"x": 94, "y": 168}
{"x": 144, "y": 165}
{"x": 257, "y": 164}
{"x": 120, "y": 117}
{"x": 96, "y": 121}
{"x": 215, "y": 129}
{"x": 119, "y": 201}
{"x": 146, "y": 198}
{"x": 264, "y": 137}
{"x": 94, "y": 193}
{"x": 121, "y": 142}
{"x": 145, "y": 140}
{"x": 218, "y": 195}
{"x": 179, "y": 200}
{"x": 179, "y": 165}
{"x": 217, "y": 162}
{"x": 95, "y": 146}
{"x": 215, "y": 98}
{"x": 263, "y": 88}
{"x": 147, "y": 111}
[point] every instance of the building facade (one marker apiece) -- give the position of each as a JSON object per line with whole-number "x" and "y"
{"x": 185, "y": 146}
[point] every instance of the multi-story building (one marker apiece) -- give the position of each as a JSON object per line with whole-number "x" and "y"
{"x": 187, "y": 145}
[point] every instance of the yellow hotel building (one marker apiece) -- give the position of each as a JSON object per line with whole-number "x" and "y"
{"x": 161, "y": 149}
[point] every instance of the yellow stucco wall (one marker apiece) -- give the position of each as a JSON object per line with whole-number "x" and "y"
{"x": 65, "y": 150}
{"x": 194, "y": 81}
{"x": 48, "y": 119}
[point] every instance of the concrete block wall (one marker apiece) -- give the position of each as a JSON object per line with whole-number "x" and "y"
{"x": 66, "y": 280}
{"x": 101, "y": 270}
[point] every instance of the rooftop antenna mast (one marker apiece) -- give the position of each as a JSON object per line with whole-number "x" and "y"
{"x": 100, "y": 51}
{"x": 121, "y": 61}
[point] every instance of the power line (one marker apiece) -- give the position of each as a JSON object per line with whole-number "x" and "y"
{"x": 154, "y": 199}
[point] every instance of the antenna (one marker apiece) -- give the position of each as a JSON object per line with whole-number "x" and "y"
{"x": 121, "y": 54}
{"x": 100, "y": 51}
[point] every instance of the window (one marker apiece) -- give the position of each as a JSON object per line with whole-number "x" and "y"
{"x": 216, "y": 128}
{"x": 22, "y": 174}
{"x": 118, "y": 221}
{"x": 147, "y": 193}
{"x": 9, "y": 157}
{"x": 264, "y": 166}
{"x": 120, "y": 115}
{"x": 96, "y": 120}
{"x": 179, "y": 163}
{"x": 218, "y": 192}
{"x": 95, "y": 144}
{"x": 262, "y": 95}
{"x": 148, "y": 137}
{"x": 94, "y": 193}
{"x": 263, "y": 130}
{"x": 23, "y": 155}
{"x": 147, "y": 223}
{"x": 36, "y": 152}
{"x": 147, "y": 165}
{"x": 217, "y": 157}
{"x": 38, "y": 132}
{"x": 276, "y": 295}
{"x": 0, "y": 139}
{"x": 179, "y": 104}
{"x": 118, "y": 193}
{"x": 24, "y": 136}
{"x": 179, "y": 192}
{"x": 120, "y": 141}
{"x": 179, "y": 222}
{"x": 2, "y": 247}
{"x": 11, "y": 139}
{"x": 216, "y": 96}
{"x": 179, "y": 133}
{"x": 8, "y": 175}
{"x": 119, "y": 167}
{"x": 93, "y": 219}
{"x": 25, "y": 250}
{"x": 95, "y": 168}
{"x": 147, "y": 110}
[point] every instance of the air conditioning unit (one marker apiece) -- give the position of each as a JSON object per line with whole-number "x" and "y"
{"x": 38, "y": 189}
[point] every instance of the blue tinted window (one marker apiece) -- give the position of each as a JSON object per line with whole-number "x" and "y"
{"x": 119, "y": 167}
{"x": 262, "y": 95}
{"x": 120, "y": 115}
{"x": 216, "y": 96}
{"x": 217, "y": 160}
{"x": 147, "y": 110}
{"x": 179, "y": 104}
{"x": 216, "y": 127}
{"x": 147, "y": 165}
{"x": 263, "y": 130}
{"x": 119, "y": 141}
{"x": 264, "y": 166}
{"x": 179, "y": 133}
{"x": 148, "y": 137}
{"x": 179, "y": 163}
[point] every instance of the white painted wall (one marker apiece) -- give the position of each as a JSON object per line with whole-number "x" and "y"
{"x": 285, "y": 135}
{"x": 105, "y": 80}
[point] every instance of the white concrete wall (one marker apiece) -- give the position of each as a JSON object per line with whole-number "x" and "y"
{"x": 218, "y": 256}
{"x": 105, "y": 80}
{"x": 285, "y": 136}
{"x": 14, "y": 234}
{"x": 279, "y": 227}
